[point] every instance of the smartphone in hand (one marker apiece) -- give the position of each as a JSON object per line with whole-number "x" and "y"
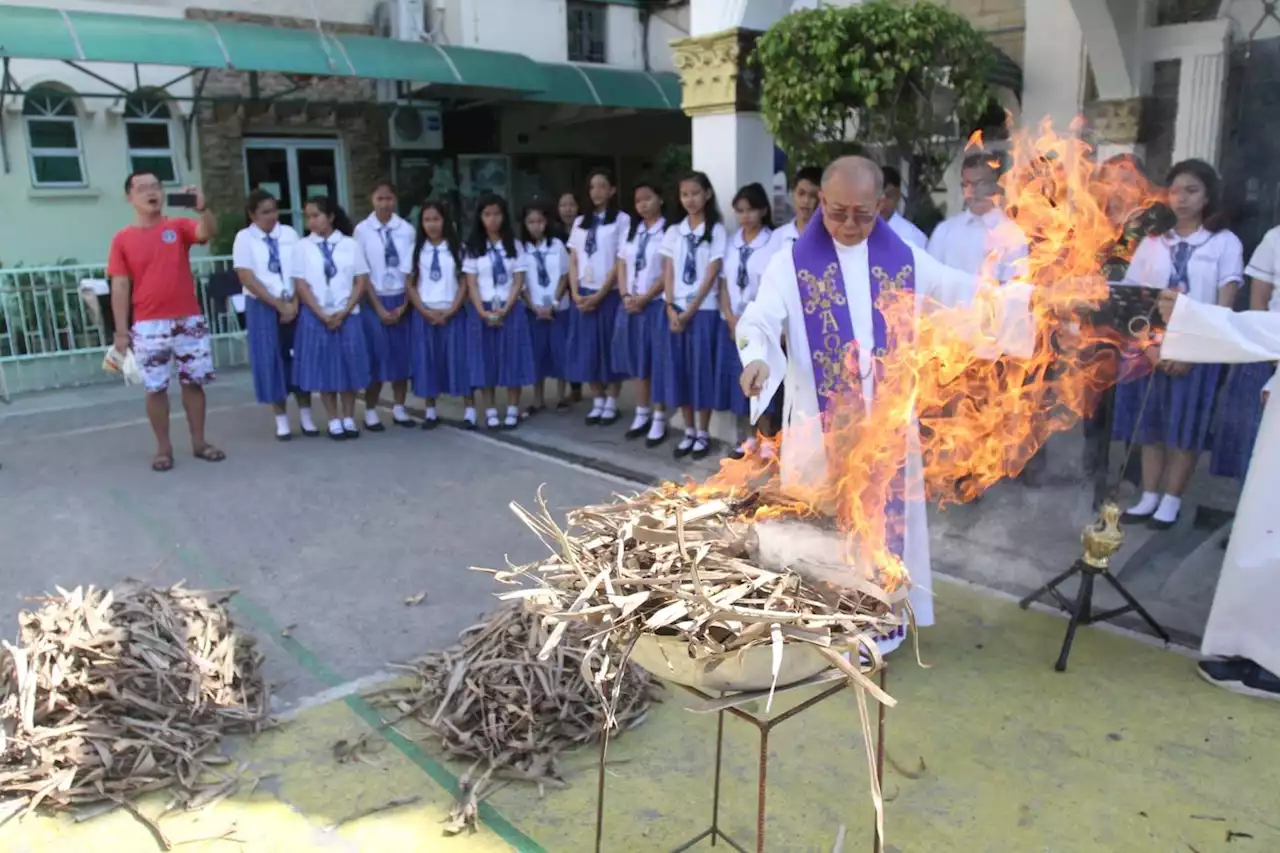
{"x": 186, "y": 201}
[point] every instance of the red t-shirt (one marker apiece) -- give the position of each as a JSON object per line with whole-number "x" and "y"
{"x": 157, "y": 260}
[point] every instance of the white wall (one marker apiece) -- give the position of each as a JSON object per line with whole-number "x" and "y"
{"x": 338, "y": 11}
{"x": 537, "y": 28}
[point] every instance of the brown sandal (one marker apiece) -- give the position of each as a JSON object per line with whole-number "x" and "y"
{"x": 162, "y": 462}
{"x": 209, "y": 453}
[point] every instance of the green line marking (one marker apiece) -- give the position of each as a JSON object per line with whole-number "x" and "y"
{"x": 260, "y": 619}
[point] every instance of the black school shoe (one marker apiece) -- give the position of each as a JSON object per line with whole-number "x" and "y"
{"x": 701, "y": 447}
{"x": 683, "y": 449}
{"x": 430, "y": 423}
{"x": 609, "y": 418}
{"x": 378, "y": 427}
{"x": 643, "y": 429}
{"x": 1242, "y": 676}
{"x": 352, "y": 434}
{"x": 1156, "y": 524}
{"x": 407, "y": 423}
{"x": 311, "y": 433}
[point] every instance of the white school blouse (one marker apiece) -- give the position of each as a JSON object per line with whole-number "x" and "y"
{"x": 675, "y": 245}
{"x": 640, "y": 283}
{"x": 250, "y": 252}
{"x": 438, "y": 294}
{"x": 757, "y": 255}
{"x": 482, "y": 269}
{"x": 594, "y": 269}
{"x": 372, "y": 236}
{"x": 966, "y": 241}
{"x": 556, "y": 259}
{"x": 1264, "y": 264}
{"x": 1216, "y": 260}
{"x": 308, "y": 265}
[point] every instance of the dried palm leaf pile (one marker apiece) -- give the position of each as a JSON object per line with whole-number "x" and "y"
{"x": 109, "y": 695}
{"x": 492, "y": 701}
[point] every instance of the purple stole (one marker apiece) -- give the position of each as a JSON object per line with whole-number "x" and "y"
{"x": 829, "y": 328}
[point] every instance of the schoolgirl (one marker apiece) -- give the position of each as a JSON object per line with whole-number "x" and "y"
{"x": 546, "y": 280}
{"x": 438, "y": 328}
{"x": 263, "y": 257}
{"x": 499, "y": 350}
{"x": 387, "y": 243}
{"x": 567, "y": 210}
{"x": 744, "y": 261}
{"x": 1199, "y": 257}
{"x": 331, "y": 356}
{"x": 1240, "y": 414}
{"x": 641, "y": 324}
{"x": 593, "y": 271}
{"x": 693, "y": 251}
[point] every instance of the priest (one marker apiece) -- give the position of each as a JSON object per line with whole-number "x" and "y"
{"x": 822, "y": 295}
{"x": 1243, "y": 633}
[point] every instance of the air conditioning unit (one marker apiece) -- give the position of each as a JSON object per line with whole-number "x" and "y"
{"x": 414, "y": 127}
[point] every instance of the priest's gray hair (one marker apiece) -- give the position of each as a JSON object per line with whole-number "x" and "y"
{"x": 854, "y": 168}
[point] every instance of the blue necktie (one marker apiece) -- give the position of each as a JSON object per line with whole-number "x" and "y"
{"x": 499, "y": 268}
{"x": 591, "y": 235}
{"x": 641, "y": 260}
{"x": 436, "y": 273}
{"x": 744, "y": 254}
{"x": 691, "y": 259}
{"x": 1179, "y": 277}
{"x": 273, "y": 255}
{"x": 390, "y": 256}
{"x": 330, "y": 268}
{"x": 544, "y": 278}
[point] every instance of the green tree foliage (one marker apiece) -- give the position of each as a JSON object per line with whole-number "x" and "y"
{"x": 907, "y": 76}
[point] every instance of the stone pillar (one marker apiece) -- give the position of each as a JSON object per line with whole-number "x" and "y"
{"x": 1201, "y": 91}
{"x": 1116, "y": 127}
{"x": 721, "y": 96}
{"x": 1053, "y": 78}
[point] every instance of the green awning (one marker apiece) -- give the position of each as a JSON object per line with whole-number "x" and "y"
{"x": 423, "y": 63}
{"x": 605, "y": 86}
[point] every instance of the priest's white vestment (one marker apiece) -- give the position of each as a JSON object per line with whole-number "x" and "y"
{"x": 1245, "y": 618}
{"x": 777, "y": 310}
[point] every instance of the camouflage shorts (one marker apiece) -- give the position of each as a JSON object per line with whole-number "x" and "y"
{"x": 159, "y": 343}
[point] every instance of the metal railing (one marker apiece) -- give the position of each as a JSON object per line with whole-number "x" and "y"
{"x": 54, "y": 328}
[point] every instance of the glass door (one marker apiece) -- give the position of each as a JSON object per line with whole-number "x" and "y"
{"x": 294, "y": 170}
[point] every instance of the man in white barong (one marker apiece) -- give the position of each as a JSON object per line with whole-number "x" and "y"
{"x": 822, "y": 295}
{"x": 1243, "y": 632}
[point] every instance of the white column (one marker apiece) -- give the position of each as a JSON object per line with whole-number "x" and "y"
{"x": 734, "y": 149}
{"x": 1201, "y": 91}
{"x": 1053, "y": 76}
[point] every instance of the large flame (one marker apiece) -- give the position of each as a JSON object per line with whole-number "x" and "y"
{"x": 979, "y": 419}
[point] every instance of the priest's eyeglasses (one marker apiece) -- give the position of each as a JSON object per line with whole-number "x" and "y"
{"x": 861, "y": 217}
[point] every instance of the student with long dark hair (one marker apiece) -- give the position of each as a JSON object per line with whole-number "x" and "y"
{"x": 439, "y": 325}
{"x": 593, "y": 272}
{"x": 547, "y": 289}
{"x": 1199, "y": 257}
{"x": 693, "y": 251}
{"x": 263, "y": 257}
{"x": 331, "y": 356}
{"x": 499, "y": 349}
{"x": 744, "y": 261}
{"x": 387, "y": 243}
{"x": 640, "y": 331}
{"x": 567, "y": 210}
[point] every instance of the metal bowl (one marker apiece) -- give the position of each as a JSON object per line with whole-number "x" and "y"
{"x": 667, "y": 658}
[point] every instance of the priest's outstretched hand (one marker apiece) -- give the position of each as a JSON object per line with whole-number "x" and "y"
{"x": 754, "y": 375}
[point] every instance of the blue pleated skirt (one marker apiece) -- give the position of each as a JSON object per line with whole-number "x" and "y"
{"x": 634, "y": 337}
{"x": 590, "y": 349}
{"x": 270, "y": 345}
{"x": 548, "y": 354}
{"x": 328, "y": 361}
{"x": 439, "y": 357}
{"x": 1179, "y": 410}
{"x": 729, "y": 396}
{"x": 686, "y": 370}
{"x": 390, "y": 349}
{"x": 499, "y": 356}
{"x": 1239, "y": 415}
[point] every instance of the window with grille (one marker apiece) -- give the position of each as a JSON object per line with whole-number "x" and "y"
{"x": 53, "y": 138}
{"x": 149, "y": 130}
{"x": 586, "y": 32}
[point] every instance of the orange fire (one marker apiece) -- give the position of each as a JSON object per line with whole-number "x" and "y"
{"x": 980, "y": 416}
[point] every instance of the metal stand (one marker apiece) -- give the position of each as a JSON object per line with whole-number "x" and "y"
{"x": 1081, "y": 610}
{"x": 730, "y": 704}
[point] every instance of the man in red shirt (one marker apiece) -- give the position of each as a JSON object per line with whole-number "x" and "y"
{"x": 150, "y": 271}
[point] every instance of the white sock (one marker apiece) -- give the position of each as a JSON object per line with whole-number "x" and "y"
{"x": 701, "y": 437}
{"x": 658, "y": 428}
{"x": 641, "y": 418}
{"x": 687, "y": 441}
{"x": 399, "y": 413}
{"x": 469, "y": 415}
{"x": 597, "y": 408}
{"x": 371, "y": 417}
{"x": 1146, "y": 504}
{"x": 282, "y": 425}
{"x": 610, "y": 405}
{"x": 490, "y": 415}
{"x": 431, "y": 413}
{"x": 513, "y": 415}
{"x": 349, "y": 424}
{"x": 304, "y": 415}
{"x": 335, "y": 426}
{"x": 748, "y": 445}
{"x": 1168, "y": 509}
